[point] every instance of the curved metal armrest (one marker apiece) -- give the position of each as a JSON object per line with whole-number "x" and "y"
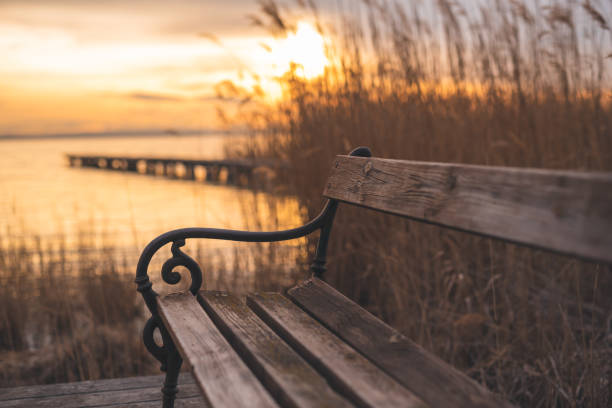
{"x": 323, "y": 221}
{"x": 167, "y": 354}
{"x": 179, "y": 258}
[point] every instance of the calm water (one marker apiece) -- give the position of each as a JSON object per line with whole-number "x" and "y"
{"x": 42, "y": 197}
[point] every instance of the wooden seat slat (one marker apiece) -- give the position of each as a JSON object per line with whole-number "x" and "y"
{"x": 563, "y": 211}
{"x": 434, "y": 381}
{"x": 349, "y": 372}
{"x": 223, "y": 377}
{"x": 290, "y": 379}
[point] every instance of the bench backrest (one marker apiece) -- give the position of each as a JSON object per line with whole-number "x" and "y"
{"x": 564, "y": 211}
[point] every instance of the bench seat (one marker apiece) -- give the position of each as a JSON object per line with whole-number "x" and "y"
{"x": 309, "y": 347}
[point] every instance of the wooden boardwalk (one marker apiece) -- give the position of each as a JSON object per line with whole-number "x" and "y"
{"x": 136, "y": 392}
{"x": 238, "y": 172}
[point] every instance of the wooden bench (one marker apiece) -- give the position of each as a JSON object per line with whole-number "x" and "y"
{"x": 313, "y": 347}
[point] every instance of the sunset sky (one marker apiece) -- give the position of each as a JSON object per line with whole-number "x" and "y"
{"x": 87, "y": 66}
{"x": 72, "y": 66}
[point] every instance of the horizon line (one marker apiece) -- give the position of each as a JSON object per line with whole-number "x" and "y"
{"x": 120, "y": 133}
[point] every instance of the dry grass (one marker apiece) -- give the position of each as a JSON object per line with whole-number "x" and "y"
{"x": 67, "y": 315}
{"x": 501, "y": 83}
{"x": 73, "y": 314}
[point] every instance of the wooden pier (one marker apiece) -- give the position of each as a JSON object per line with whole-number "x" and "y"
{"x": 237, "y": 172}
{"x": 141, "y": 392}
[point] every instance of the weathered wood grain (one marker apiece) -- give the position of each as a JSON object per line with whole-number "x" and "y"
{"x": 434, "y": 381}
{"x": 82, "y": 387}
{"x": 348, "y": 371}
{"x": 223, "y": 377}
{"x": 563, "y": 211}
{"x": 193, "y": 402}
{"x": 103, "y": 396}
{"x": 290, "y": 379}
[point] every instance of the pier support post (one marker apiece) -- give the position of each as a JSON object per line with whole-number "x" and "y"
{"x": 212, "y": 173}
{"x": 232, "y": 175}
{"x": 189, "y": 172}
{"x": 131, "y": 165}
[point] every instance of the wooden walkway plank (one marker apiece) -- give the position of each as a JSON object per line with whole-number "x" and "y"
{"x": 436, "y": 382}
{"x": 349, "y": 372}
{"x": 120, "y": 397}
{"x": 563, "y": 211}
{"x": 290, "y": 379}
{"x": 223, "y": 377}
{"x": 82, "y": 387}
{"x": 193, "y": 402}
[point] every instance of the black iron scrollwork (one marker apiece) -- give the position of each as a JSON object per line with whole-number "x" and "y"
{"x": 167, "y": 355}
{"x": 159, "y": 352}
{"x": 179, "y": 258}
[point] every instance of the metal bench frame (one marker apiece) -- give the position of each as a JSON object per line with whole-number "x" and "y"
{"x": 167, "y": 354}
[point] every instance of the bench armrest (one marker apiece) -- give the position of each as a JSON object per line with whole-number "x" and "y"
{"x": 179, "y": 258}
{"x": 167, "y": 353}
{"x": 323, "y": 222}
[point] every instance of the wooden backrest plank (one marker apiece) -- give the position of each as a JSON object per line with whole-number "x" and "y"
{"x": 563, "y": 211}
{"x": 223, "y": 377}
{"x": 434, "y": 381}
{"x": 349, "y": 372}
{"x": 290, "y": 379}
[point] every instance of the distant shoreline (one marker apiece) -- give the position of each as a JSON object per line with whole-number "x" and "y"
{"x": 124, "y": 133}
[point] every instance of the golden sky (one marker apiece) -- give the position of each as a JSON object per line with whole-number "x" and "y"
{"x": 72, "y": 66}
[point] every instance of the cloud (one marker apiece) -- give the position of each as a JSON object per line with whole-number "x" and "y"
{"x": 104, "y": 20}
{"x": 160, "y": 97}
{"x": 146, "y": 96}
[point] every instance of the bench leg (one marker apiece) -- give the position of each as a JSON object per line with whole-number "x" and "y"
{"x": 173, "y": 367}
{"x": 167, "y": 355}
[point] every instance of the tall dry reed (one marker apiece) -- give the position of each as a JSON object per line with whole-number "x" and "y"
{"x": 67, "y": 314}
{"x": 515, "y": 83}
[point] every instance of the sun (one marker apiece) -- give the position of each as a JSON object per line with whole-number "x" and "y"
{"x": 305, "y": 48}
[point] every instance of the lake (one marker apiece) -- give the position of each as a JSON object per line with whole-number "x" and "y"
{"x": 44, "y": 199}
